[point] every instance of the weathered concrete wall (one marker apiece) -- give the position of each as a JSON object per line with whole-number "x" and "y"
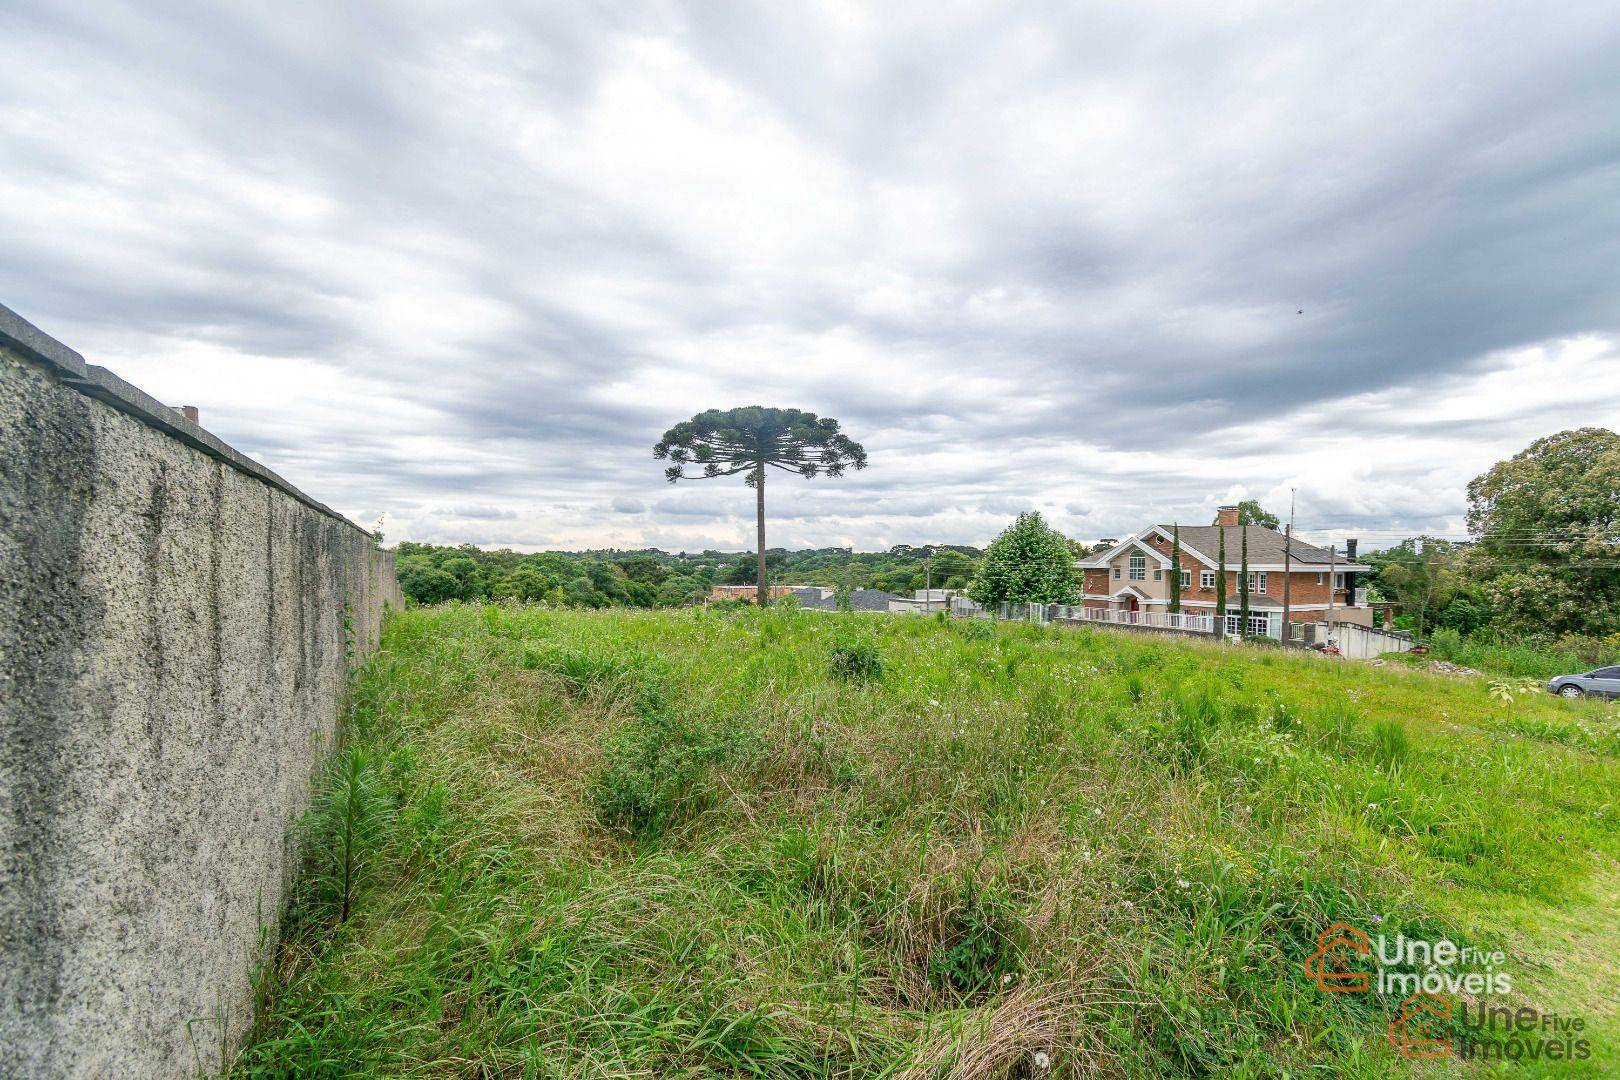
{"x": 173, "y": 655}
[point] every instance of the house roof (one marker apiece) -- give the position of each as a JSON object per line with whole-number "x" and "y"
{"x": 1265, "y": 546}
{"x": 859, "y": 600}
{"x": 1102, "y": 559}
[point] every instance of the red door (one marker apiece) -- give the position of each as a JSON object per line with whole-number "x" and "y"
{"x": 1133, "y": 608}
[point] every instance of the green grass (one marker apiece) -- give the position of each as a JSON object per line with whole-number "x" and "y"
{"x": 1539, "y": 660}
{"x": 798, "y": 844}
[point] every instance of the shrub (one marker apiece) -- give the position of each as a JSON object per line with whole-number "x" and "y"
{"x": 655, "y": 770}
{"x": 856, "y": 661}
{"x": 980, "y": 945}
{"x": 975, "y": 629}
{"x": 342, "y": 831}
{"x": 1446, "y": 643}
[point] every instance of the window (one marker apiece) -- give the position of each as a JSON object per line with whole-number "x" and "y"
{"x": 1259, "y": 625}
{"x": 1138, "y": 567}
{"x": 1257, "y": 581}
{"x": 1338, "y": 581}
{"x": 1186, "y": 578}
{"x": 1321, "y": 578}
{"x": 1116, "y": 573}
{"x": 1158, "y": 575}
{"x": 1206, "y": 579}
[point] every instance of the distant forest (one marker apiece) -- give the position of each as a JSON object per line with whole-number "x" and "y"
{"x": 431, "y": 574}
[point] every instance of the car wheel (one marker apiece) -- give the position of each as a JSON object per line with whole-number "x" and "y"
{"x": 1571, "y": 691}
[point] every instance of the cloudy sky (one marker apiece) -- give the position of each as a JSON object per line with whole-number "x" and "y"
{"x": 461, "y": 265}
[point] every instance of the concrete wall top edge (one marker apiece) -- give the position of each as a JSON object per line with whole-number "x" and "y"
{"x": 19, "y": 334}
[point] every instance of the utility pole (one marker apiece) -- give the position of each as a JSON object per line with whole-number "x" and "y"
{"x": 1288, "y": 563}
{"x": 1333, "y": 592}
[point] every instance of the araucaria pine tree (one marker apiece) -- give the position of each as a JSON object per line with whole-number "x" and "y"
{"x": 1243, "y": 583}
{"x": 1027, "y": 564}
{"x": 1220, "y": 588}
{"x": 1175, "y": 569}
{"x": 745, "y": 441}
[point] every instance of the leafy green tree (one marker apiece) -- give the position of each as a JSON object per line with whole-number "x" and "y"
{"x": 1220, "y": 588}
{"x": 950, "y": 564}
{"x": 426, "y": 584}
{"x": 1250, "y": 512}
{"x": 745, "y": 441}
{"x": 524, "y": 583}
{"x": 1547, "y": 523}
{"x": 1028, "y": 563}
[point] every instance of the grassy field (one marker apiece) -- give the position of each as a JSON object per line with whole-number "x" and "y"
{"x": 796, "y": 844}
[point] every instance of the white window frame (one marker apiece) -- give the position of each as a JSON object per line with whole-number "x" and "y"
{"x": 1257, "y": 581}
{"x": 1338, "y": 580}
{"x": 1137, "y": 567}
{"x": 1116, "y": 573}
{"x": 1158, "y": 575}
{"x": 1206, "y": 579}
{"x": 1186, "y": 579}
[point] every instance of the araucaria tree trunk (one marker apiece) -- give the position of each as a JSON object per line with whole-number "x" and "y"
{"x": 762, "y": 597}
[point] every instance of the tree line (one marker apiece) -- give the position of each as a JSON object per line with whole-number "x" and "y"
{"x": 649, "y": 577}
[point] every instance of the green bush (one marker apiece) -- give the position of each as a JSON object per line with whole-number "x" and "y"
{"x": 975, "y": 629}
{"x": 856, "y": 661}
{"x": 1446, "y": 643}
{"x": 981, "y": 945}
{"x": 656, "y": 770}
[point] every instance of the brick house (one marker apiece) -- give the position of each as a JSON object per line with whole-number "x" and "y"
{"x": 1133, "y": 575}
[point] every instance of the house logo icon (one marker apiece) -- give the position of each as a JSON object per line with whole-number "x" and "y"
{"x": 1332, "y": 967}
{"x": 1417, "y": 1030}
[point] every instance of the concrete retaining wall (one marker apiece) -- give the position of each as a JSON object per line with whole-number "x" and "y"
{"x": 176, "y": 628}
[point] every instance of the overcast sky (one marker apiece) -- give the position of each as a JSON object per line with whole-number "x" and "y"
{"x": 462, "y": 265}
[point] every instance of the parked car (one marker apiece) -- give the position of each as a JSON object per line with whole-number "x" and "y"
{"x": 1604, "y": 682}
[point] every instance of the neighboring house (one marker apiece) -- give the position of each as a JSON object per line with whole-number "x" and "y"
{"x": 859, "y": 600}
{"x": 1134, "y": 575}
{"x": 750, "y": 593}
{"x": 926, "y": 602}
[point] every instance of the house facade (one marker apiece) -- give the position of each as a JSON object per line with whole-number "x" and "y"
{"x": 1133, "y": 575}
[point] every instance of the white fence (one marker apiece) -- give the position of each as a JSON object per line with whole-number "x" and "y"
{"x": 1163, "y": 620}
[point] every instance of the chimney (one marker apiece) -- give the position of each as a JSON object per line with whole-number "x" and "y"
{"x": 1226, "y": 515}
{"x": 1350, "y": 549}
{"x": 187, "y": 411}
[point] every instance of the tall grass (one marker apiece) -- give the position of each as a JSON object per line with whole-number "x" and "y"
{"x": 690, "y": 844}
{"x": 1534, "y": 660}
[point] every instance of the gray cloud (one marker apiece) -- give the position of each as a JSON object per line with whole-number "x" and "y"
{"x": 1119, "y": 264}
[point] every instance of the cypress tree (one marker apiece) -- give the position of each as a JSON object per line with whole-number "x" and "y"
{"x": 1220, "y": 589}
{"x": 1243, "y": 585}
{"x": 1175, "y": 569}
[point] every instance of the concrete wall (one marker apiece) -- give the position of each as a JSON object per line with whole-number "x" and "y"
{"x": 173, "y": 655}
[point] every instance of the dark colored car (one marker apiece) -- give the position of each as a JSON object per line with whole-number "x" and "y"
{"x": 1604, "y": 682}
